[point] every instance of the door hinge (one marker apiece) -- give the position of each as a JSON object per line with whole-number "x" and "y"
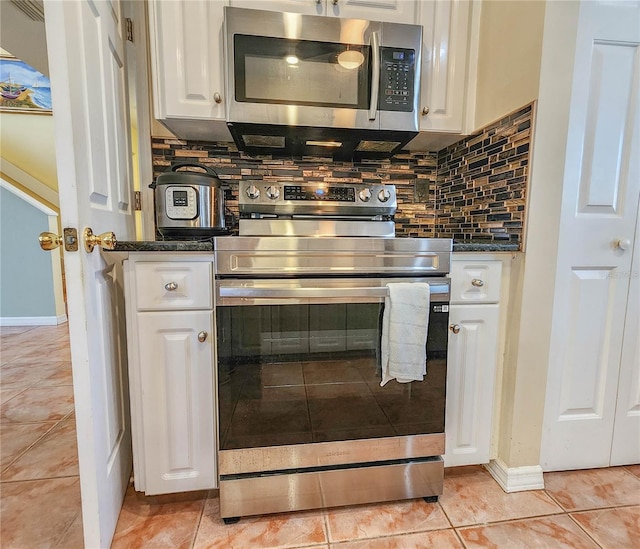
{"x": 137, "y": 201}
{"x": 129, "y": 28}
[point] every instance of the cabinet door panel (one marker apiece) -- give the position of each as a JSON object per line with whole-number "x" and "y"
{"x": 308, "y": 7}
{"x": 471, "y": 364}
{"x": 187, "y": 60}
{"x": 392, "y": 11}
{"x": 444, "y": 64}
{"x": 177, "y": 401}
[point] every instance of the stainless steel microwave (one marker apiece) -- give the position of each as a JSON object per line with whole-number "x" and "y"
{"x": 305, "y": 84}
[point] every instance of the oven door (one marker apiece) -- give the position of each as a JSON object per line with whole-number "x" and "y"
{"x": 299, "y": 363}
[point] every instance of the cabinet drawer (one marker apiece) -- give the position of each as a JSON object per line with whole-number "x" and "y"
{"x": 168, "y": 285}
{"x": 475, "y": 282}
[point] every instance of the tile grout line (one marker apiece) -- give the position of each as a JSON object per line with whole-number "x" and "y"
{"x": 197, "y": 528}
{"x": 583, "y": 530}
{"x": 57, "y": 544}
{"x": 23, "y": 480}
{"x": 21, "y": 454}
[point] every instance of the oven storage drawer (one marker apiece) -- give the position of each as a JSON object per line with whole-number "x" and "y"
{"x": 173, "y": 285}
{"x": 298, "y": 490}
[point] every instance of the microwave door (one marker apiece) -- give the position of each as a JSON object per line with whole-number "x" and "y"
{"x": 302, "y": 82}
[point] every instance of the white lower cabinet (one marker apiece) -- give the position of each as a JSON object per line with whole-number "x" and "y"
{"x": 472, "y": 359}
{"x": 471, "y": 366}
{"x": 172, "y": 376}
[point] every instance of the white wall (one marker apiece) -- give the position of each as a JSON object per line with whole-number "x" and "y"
{"x": 508, "y": 57}
{"x": 30, "y": 278}
{"x": 527, "y": 354}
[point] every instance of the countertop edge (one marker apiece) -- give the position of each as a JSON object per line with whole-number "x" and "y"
{"x": 207, "y": 246}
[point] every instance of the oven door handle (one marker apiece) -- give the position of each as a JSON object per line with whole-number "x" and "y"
{"x": 277, "y": 293}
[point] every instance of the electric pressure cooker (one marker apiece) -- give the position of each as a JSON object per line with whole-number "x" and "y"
{"x": 189, "y": 204}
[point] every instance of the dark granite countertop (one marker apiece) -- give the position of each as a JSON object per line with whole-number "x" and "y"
{"x": 489, "y": 246}
{"x": 164, "y": 246}
{"x": 207, "y": 246}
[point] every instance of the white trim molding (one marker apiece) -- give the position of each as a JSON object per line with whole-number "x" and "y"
{"x": 32, "y": 320}
{"x": 34, "y": 185}
{"x": 516, "y": 479}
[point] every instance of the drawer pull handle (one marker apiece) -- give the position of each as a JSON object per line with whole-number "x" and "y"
{"x": 455, "y": 328}
{"x": 477, "y": 283}
{"x": 171, "y": 286}
{"x": 202, "y": 336}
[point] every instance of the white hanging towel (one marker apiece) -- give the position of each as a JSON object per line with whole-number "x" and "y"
{"x": 404, "y": 332}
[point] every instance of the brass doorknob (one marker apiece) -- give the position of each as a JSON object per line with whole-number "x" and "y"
{"x": 202, "y": 336}
{"x": 455, "y": 328}
{"x": 106, "y": 240}
{"x": 425, "y": 111}
{"x": 49, "y": 241}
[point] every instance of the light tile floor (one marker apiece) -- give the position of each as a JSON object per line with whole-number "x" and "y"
{"x": 40, "y": 494}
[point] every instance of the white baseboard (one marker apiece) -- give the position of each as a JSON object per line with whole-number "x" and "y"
{"x": 32, "y": 320}
{"x": 516, "y": 479}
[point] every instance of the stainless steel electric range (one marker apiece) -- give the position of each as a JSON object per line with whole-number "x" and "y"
{"x": 303, "y": 420}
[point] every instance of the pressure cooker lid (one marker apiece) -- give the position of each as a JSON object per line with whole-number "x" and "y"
{"x": 208, "y": 178}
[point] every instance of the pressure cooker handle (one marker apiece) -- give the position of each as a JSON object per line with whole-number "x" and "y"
{"x": 209, "y": 170}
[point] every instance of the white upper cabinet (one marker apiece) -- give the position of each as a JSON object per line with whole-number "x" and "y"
{"x": 393, "y": 11}
{"x": 188, "y": 65}
{"x": 187, "y": 55}
{"x": 449, "y": 53}
{"x": 307, "y": 7}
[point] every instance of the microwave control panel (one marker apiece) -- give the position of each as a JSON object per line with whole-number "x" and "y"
{"x": 181, "y": 202}
{"x": 397, "y": 74}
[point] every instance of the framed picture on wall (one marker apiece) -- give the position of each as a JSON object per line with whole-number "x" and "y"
{"x": 22, "y": 88}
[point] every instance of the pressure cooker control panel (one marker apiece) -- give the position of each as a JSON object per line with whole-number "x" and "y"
{"x": 181, "y": 202}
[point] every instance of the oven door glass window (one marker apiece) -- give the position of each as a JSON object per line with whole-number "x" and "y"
{"x": 294, "y": 374}
{"x": 301, "y": 72}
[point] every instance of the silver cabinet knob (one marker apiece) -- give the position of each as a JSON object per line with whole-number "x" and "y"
{"x": 477, "y": 282}
{"x": 455, "y": 328}
{"x": 217, "y": 98}
{"x": 252, "y": 192}
{"x": 202, "y": 336}
{"x": 425, "y": 111}
{"x": 171, "y": 286}
{"x": 622, "y": 244}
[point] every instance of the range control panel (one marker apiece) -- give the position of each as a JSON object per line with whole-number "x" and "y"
{"x": 305, "y": 192}
{"x": 317, "y": 198}
{"x": 397, "y": 76}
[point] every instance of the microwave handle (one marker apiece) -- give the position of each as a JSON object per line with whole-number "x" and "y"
{"x": 375, "y": 76}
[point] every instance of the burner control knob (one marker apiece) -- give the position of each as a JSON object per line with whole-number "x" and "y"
{"x": 253, "y": 192}
{"x": 384, "y": 195}
{"x": 365, "y": 195}
{"x": 273, "y": 192}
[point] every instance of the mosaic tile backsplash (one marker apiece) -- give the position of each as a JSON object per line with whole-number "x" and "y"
{"x": 472, "y": 190}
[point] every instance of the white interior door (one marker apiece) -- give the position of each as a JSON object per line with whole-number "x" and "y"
{"x": 88, "y": 83}
{"x": 599, "y": 206}
{"x": 625, "y": 448}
